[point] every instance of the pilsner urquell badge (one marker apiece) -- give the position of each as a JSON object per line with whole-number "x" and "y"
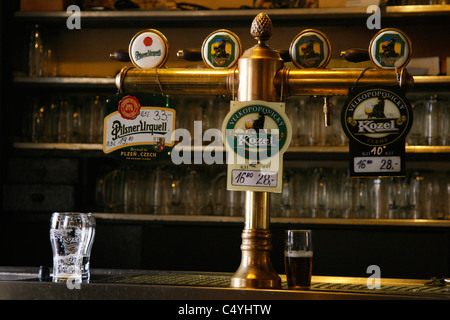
{"x": 139, "y": 126}
{"x": 376, "y": 121}
{"x": 256, "y": 135}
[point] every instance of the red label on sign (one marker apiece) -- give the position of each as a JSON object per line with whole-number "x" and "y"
{"x": 148, "y": 41}
{"x": 129, "y": 107}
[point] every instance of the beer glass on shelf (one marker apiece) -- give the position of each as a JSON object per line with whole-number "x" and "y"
{"x": 92, "y": 120}
{"x": 362, "y": 200}
{"x": 445, "y": 196}
{"x": 311, "y": 117}
{"x": 341, "y": 137}
{"x": 423, "y": 195}
{"x": 328, "y": 135}
{"x": 191, "y": 118}
{"x": 37, "y": 124}
{"x": 215, "y": 112}
{"x": 415, "y": 135}
{"x": 298, "y": 257}
{"x": 346, "y": 195}
{"x": 113, "y": 191}
{"x": 234, "y": 203}
{"x": 50, "y": 121}
{"x": 292, "y": 114}
{"x": 218, "y": 193}
{"x": 284, "y": 204}
{"x": 432, "y": 130}
{"x": 226, "y": 202}
{"x": 160, "y": 191}
{"x": 65, "y": 121}
{"x": 37, "y": 52}
{"x": 321, "y": 194}
{"x": 445, "y": 122}
{"x": 132, "y": 195}
{"x": 194, "y": 188}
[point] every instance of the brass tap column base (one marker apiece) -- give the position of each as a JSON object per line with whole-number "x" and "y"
{"x": 256, "y": 270}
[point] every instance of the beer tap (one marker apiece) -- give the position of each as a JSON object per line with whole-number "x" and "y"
{"x": 260, "y": 74}
{"x": 328, "y": 111}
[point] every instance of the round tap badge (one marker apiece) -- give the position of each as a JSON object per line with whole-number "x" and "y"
{"x": 310, "y": 49}
{"x": 376, "y": 116}
{"x": 257, "y": 130}
{"x": 149, "y": 49}
{"x": 221, "y": 49}
{"x": 390, "y": 49}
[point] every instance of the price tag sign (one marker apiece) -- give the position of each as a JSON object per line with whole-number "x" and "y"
{"x": 252, "y": 178}
{"x": 377, "y": 164}
{"x": 138, "y": 126}
{"x": 376, "y": 121}
{"x": 256, "y": 135}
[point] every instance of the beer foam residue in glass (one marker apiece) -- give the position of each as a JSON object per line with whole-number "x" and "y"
{"x": 298, "y": 254}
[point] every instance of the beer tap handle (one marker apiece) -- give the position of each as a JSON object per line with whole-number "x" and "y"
{"x": 120, "y": 55}
{"x": 190, "y": 54}
{"x": 284, "y": 54}
{"x": 355, "y": 55}
{"x": 196, "y": 55}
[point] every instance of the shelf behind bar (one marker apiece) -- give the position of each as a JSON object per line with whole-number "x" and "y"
{"x": 140, "y": 16}
{"x": 276, "y": 220}
{"x": 58, "y": 146}
{"x": 69, "y": 82}
{"x": 312, "y": 149}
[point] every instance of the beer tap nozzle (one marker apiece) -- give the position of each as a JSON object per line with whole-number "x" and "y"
{"x": 328, "y": 111}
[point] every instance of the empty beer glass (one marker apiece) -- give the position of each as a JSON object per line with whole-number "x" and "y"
{"x": 432, "y": 130}
{"x": 194, "y": 199}
{"x": 298, "y": 256}
{"x": 71, "y": 238}
{"x": 113, "y": 191}
{"x": 161, "y": 191}
{"x": 321, "y": 195}
{"x": 226, "y": 202}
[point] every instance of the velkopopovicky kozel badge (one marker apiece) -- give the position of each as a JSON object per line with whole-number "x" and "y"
{"x": 376, "y": 121}
{"x": 256, "y": 135}
{"x": 377, "y": 117}
{"x": 138, "y": 127}
{"x": 221, "y": 49}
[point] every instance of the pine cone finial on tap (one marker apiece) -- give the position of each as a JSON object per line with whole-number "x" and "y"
{"x": 261, "y": 28}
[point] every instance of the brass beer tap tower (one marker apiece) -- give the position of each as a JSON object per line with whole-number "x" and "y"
{"x": 260, "y": 75}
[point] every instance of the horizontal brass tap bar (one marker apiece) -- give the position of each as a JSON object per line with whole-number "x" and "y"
{"x": 330, "y": 82}
{"x": 174, "y": 81}
{"x": 322, "y": 82}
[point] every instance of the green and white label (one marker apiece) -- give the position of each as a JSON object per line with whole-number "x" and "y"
{"x": 310, "y": 49}
{"x": 138, "y": 126}
{"x": 221, "y": 49}
{"x": 390, "y": 49}
{"x": 256, "y": 135}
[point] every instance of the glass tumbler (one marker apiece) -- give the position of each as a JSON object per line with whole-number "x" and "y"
{"x": 71, "y": 238}
{"x": 298, "y": 256}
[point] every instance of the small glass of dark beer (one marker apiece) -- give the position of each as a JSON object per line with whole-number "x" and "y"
{"x": 298, "y": 256}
